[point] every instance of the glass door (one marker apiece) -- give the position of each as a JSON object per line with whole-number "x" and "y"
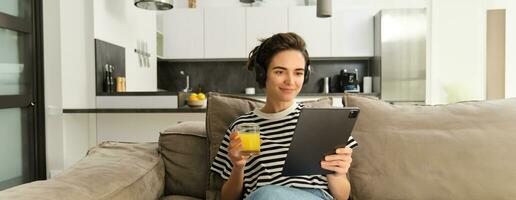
{"x": 21, "y": 107}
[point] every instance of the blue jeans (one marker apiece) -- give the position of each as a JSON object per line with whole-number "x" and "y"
{"x": 275, "y": 192}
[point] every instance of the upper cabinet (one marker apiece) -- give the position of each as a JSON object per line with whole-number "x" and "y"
{"x": 233, "y": 32}
{"x": 352, "y": 33}
{"x": 315, "y": 31}
{"x": 224, "y": 33}
{"x": 183, "y": 34}
{"x": 263, "y": 22}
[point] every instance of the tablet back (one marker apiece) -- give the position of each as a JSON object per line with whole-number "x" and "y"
{"x": 319, "y": 131}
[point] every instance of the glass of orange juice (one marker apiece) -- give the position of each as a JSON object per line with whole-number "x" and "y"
{"x": 249, "y": 134}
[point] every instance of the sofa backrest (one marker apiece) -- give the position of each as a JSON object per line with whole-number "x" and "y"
{"x": 184, "y": 151}
{"x": 456, "y": 151}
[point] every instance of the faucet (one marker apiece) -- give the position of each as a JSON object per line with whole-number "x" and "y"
{"x": 187, "y": 88}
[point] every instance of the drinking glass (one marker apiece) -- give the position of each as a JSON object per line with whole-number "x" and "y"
{"x": 249, "y": 134}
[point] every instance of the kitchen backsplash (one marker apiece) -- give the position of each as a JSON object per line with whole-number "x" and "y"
{"x": 232, "y": 76}
{"x": 108, "y": 54}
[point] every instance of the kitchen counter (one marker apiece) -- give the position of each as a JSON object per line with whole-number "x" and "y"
{"x": 166, "y": 102}
{"x": 165, "y": 93}
{"x": 150, "y": 93}
{"x": 137, "y": 110}
{"x": 339, "y": 94}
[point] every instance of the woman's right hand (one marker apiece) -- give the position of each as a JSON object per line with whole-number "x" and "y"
{"x": 235, "y": 151}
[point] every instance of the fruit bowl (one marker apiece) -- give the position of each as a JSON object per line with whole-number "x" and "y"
{"x": 196, "y": 100}
{"x": 197, "y": 103}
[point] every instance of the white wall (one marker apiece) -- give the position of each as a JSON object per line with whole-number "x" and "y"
{"x": 80, "y": 135}
{"x": 53, "y": 91}
{"x": 69, "y": 77}
{"x": 510, "y": 43}
{"x": 77, "y": 58}
{"x": 457, "y": 51}
{"x": 121, "y": 23}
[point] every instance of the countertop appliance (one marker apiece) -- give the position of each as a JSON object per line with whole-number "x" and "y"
{"x": 348, "y": 81}
{"x": 399, "y": 63}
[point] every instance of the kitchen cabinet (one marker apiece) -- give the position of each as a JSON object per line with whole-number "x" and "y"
{"x": 219, "y": 33}
{"x": 315, "y": 31}
{"x": 224, "y": 33}
{"x": 263, "y": 22}
{"x": 183, "y": 31}
{"x": 352, "y": 33}
{"x": 139, "y": 127}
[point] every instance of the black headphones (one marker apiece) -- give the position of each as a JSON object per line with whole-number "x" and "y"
{"x": 261, "y": 71}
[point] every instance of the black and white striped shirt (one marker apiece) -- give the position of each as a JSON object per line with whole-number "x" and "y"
{"x": 276, "y": 131}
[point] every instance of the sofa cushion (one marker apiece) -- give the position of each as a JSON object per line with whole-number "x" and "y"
{"x": 456, "y": 151}
{"x": 223, "y": 109}
{"x": 184, "y": 150}
{"x": 111, "y": 170}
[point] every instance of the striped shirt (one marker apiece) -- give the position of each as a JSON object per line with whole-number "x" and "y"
{"x": 276, "y": 131}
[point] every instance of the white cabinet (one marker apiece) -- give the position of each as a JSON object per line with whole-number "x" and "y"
{"x": 183, "y": 31}
{"x": 224, "y": 33}
{"x": 352, "y": 33}
{"x": 263, "y": 22}
{"x": 233, "y": 32}
{"x": 315, "y": 31}
{"x": 139, "y": 127}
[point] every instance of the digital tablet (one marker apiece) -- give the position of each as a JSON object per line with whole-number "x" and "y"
{"x": 319, "y": 132}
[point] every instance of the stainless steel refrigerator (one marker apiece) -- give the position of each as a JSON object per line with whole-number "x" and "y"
{"x": 399, "y": 64}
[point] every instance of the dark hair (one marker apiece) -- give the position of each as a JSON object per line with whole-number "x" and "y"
{"x": 261, "y": 56}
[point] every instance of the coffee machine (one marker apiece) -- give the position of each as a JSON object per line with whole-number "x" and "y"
{"x": 349, "y": 81}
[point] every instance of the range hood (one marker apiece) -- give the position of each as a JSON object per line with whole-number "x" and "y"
{"x": 154, "y": 4}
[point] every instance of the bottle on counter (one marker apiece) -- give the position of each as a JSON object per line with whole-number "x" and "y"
{"x": 326, "y": 86}
{"x": 107, "y": 84}
{"x": 120, "y": 84}
{"x": 112, "y": 79}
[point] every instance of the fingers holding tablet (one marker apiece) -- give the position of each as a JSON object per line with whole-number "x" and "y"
{"x": 338, "y": 162}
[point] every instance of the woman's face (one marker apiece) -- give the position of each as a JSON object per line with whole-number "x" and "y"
{"x": 285, "y": 75}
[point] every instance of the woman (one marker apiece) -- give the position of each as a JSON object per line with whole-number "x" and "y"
{"x": 281, "y": 64}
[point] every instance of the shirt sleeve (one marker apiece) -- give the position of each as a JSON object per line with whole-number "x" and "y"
{"x": 222, "y": 164}
{"x": 351, "y": 142}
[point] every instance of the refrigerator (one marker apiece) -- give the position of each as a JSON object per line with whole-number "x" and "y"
{"x": 399, "y": 62}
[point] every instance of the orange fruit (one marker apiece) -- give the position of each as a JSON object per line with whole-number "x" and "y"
{"x": 193, "y": 98}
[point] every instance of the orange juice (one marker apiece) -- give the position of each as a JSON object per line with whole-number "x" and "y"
{"x": 250, "y": 142}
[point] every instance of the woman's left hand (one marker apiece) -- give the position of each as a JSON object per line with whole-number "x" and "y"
{"x": 338, "y": 162}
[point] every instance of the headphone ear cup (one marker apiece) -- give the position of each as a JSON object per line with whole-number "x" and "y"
{"x": 260, "y": 74}
{"x": 308, "y": 68}
{"x": 307, "y": 74}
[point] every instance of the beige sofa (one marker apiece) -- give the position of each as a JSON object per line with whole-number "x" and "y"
{"x": 456, "y": 151}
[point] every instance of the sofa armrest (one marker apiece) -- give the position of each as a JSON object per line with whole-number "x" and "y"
{"x": 111, "y": 170}
{"x": 197, "y": 128}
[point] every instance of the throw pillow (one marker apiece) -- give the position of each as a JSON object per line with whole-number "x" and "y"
{"x": 184, "y": 152}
